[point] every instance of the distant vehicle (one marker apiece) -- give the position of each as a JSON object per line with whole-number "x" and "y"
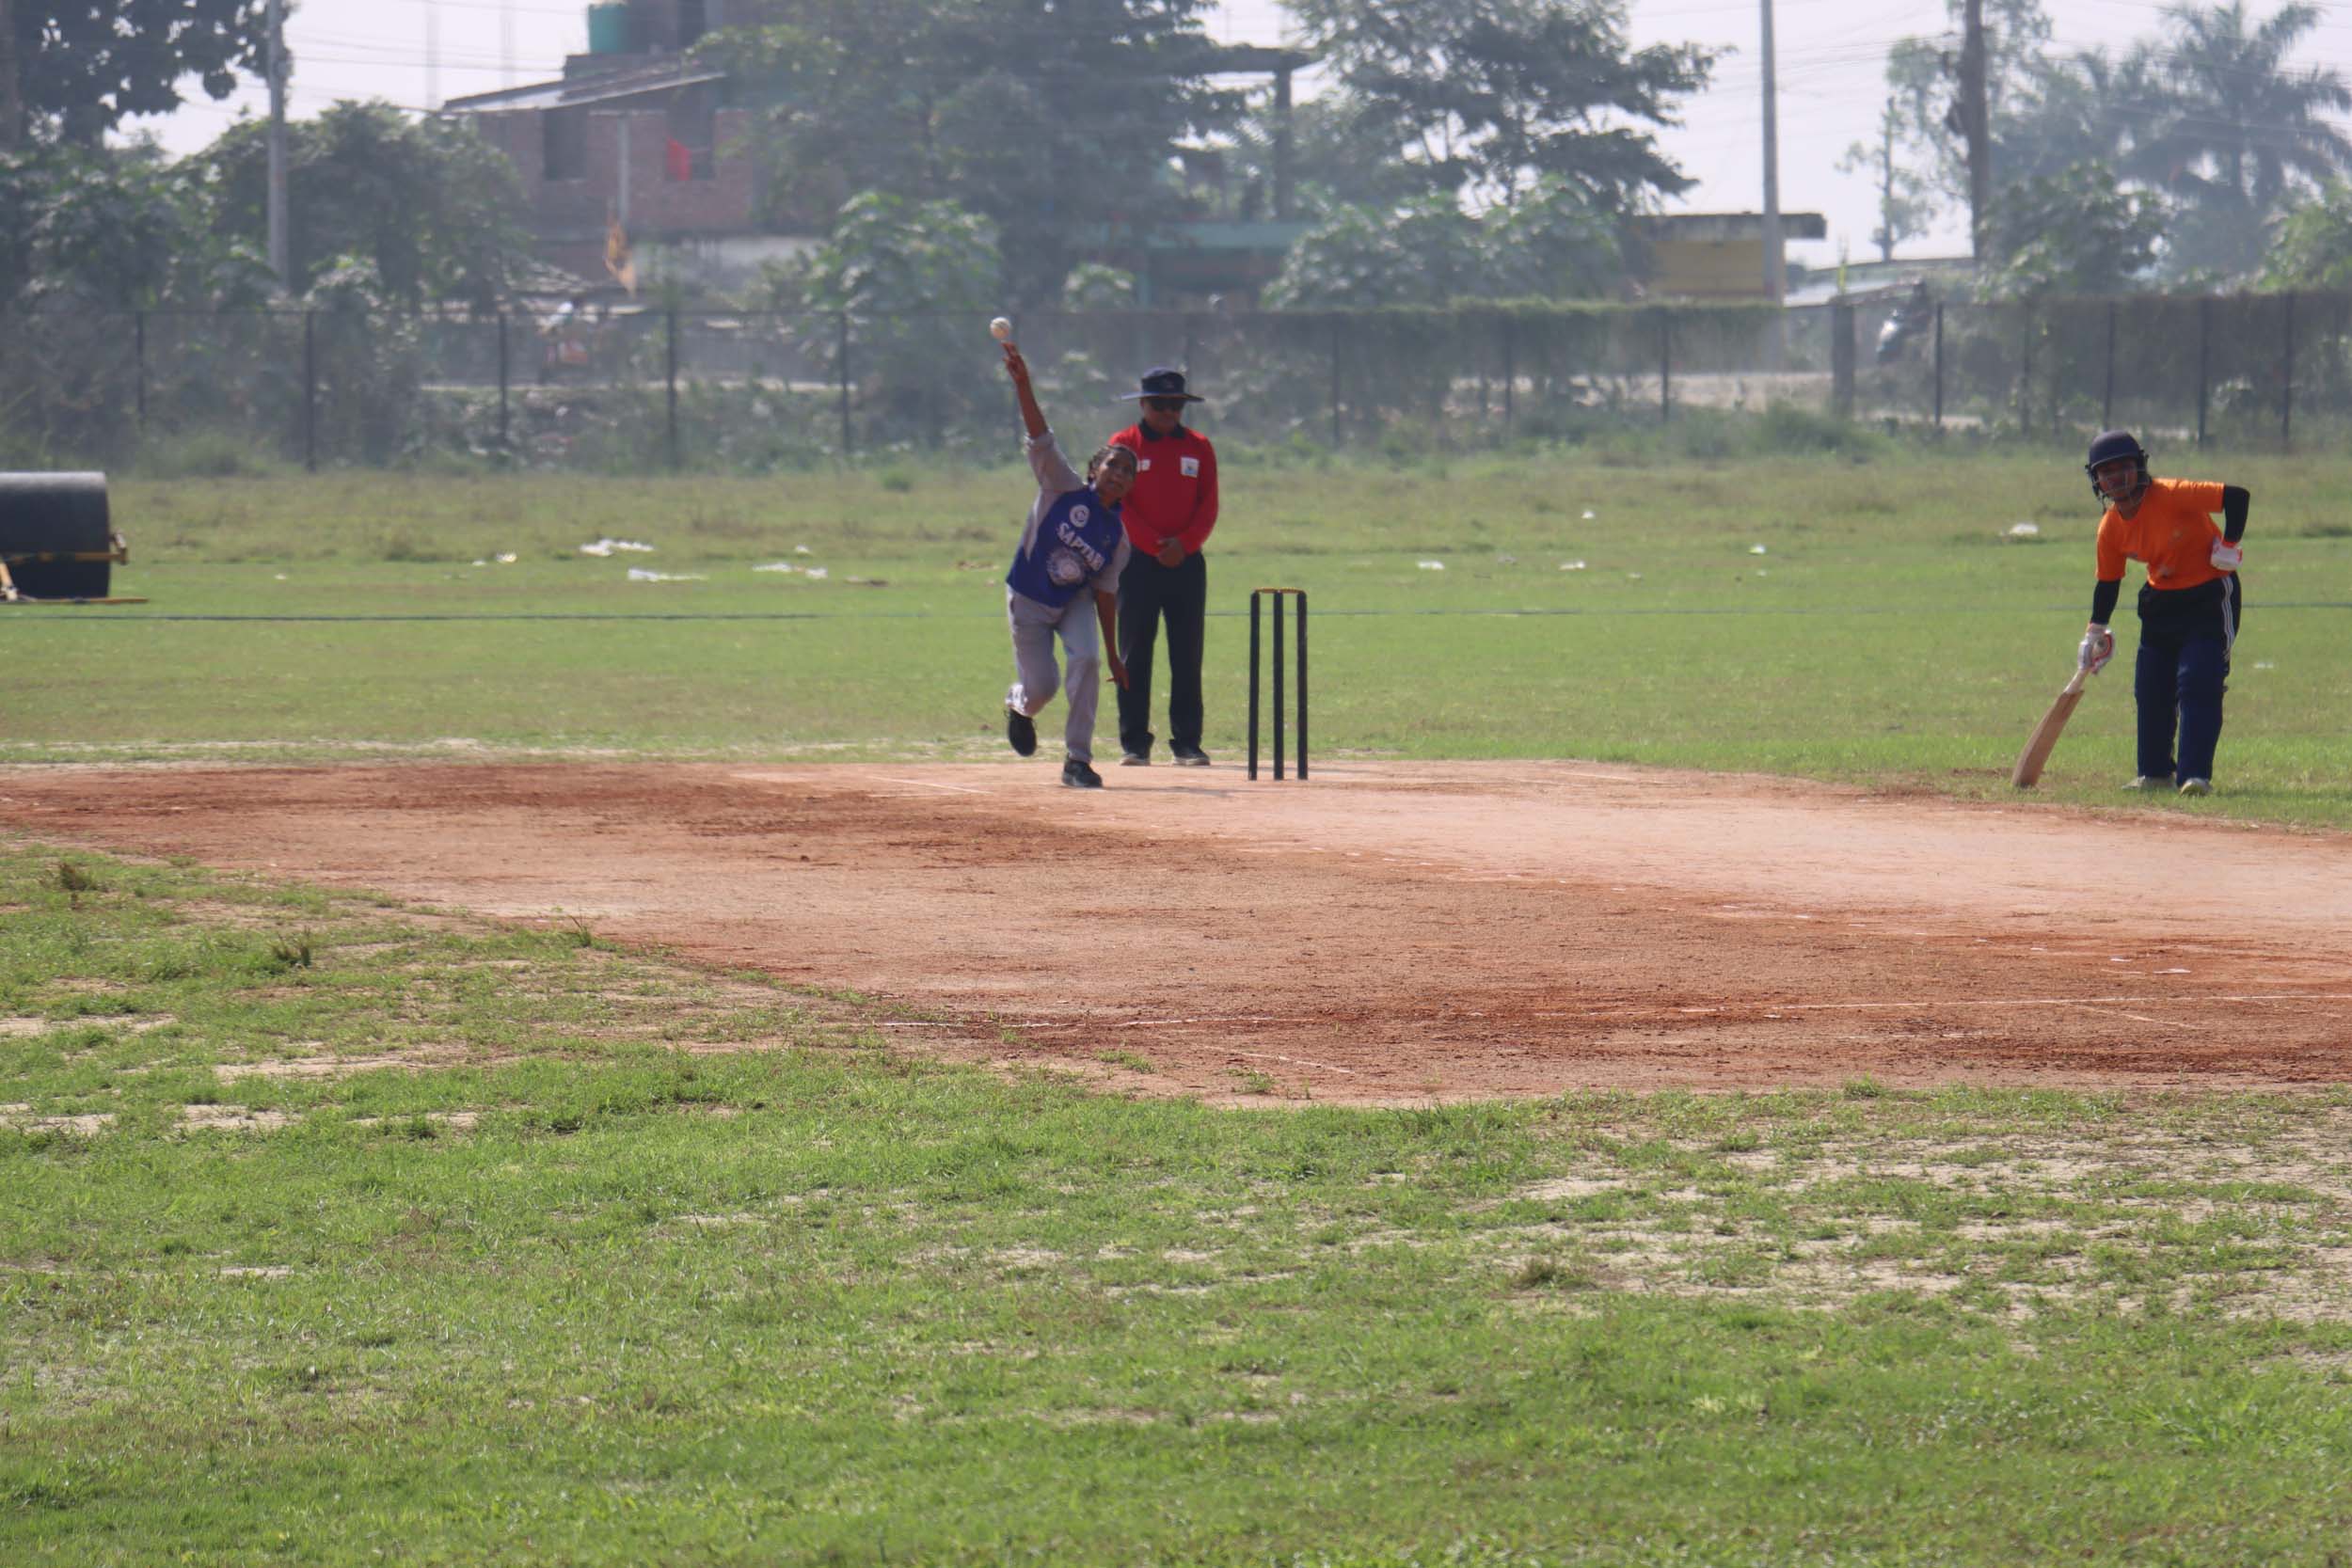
{"x": 1906, "y": 325}
{"x": 564, "y": 342}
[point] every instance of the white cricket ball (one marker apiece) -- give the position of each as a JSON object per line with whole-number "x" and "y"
{"x": 1000, "y": 329}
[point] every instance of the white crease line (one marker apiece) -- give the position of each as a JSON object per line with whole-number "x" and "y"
{"x": 2138, "y": 1018}
{"x": 1295, "y": 1061}
{"x": 1232, "y": 1018}
{"x": 2064, "y": 1002}
{"x": 1050, "y": 1023}
{"x": 1933, "y": 1002}
{"x": 926, "y": 784}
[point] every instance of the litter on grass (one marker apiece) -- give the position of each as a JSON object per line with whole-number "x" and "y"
{"x": 1431, "y": 565}
{"x": 638, "y": 574}
{"x": 2025, "y": 530}
{"x": 1756, "y": 550}
{"x": 1571, "y": 565}
{"x": 1588, "y": 514}
{"x": 607, "y": 547}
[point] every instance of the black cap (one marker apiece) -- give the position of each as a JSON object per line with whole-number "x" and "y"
{"x": 1161, "y": 381}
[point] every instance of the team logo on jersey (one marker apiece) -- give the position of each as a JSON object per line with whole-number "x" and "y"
{"x": 1063, "y": 569}
{"x": 1188, "y": 467}
{"x": 1143, "y": 465}
{"x": 1078, "y": 515}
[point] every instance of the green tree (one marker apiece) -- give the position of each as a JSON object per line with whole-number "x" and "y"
{"x": 84, "y": 66}
{"x": 1905, "y": 206}
{"x": 1424, "y": 252}
{"x": 427, "y": 202}
{"x": 1552, "y": 243}
{"x": 2214, "y": 116}
{"x": 1487, "y": 96}
{"x": 2315, "y": 248}
{"x": 1923, "y": 75}
{"x": 893, "y": 255}
{"x": 1053, "y": 118}
{"x": 2241, "y": 131}
{"x": 115, "y": 230}
{"x": 904, "y": 272}
{"x": 2087, "y": 107}
{"x": 2079, "y": 232}
{"x": 1344, "y": 152}
{"x": 1092, "y": 286}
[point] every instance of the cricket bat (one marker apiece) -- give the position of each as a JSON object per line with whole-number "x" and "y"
{"x": 2045, "y": 735}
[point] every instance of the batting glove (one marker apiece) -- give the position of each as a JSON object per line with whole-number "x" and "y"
{"x": 2226, "y": 556}
{"x": 2098, "y": 646}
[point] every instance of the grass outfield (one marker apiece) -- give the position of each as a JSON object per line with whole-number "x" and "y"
{"x": 337, "y": 1234}
{"x": 1893, "y": 630}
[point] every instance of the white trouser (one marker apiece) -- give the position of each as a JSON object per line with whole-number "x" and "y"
{"x": 1035, "y": 678}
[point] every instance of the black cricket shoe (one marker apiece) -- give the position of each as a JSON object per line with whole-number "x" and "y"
{"x": 1077, "y": 775}
{"x": 1191, "y": 756}
{"x": 1021, "y": 731}
{"x": 1134, "y": 759}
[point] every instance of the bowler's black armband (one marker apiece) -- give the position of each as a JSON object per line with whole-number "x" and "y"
{"x": 2103, "y": 597}
{"x": 2233, "y": 503}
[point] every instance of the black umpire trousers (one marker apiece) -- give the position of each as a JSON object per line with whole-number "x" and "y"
{"x": 1149, "y": 592}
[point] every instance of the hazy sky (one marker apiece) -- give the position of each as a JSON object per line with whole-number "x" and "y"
{"x": 1831, "y": 57}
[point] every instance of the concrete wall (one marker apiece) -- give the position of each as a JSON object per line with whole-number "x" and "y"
{"x": 1708, "y": 269}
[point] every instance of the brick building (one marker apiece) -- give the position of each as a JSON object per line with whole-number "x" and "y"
{"x": 634, "y": 132}
{"x": 631, "y": 132}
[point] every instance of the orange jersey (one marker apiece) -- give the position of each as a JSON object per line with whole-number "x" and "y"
{"x": 2172, "y": 533}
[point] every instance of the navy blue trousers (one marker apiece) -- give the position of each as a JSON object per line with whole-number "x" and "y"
{"x": 1148, "y": 593}
{"x": 2183, "y": 670}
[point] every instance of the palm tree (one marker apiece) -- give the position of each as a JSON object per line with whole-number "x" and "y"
{"x": 2239, "y": 128}
{"x": 2087, "y": 107}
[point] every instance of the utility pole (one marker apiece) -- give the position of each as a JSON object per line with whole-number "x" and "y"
{"x": 1976, "y": 126}
{"x": 1886, "y": 183}
{"x": 1282, "y": 195}
{"x": 278, "y": 72}
{"x": 12, "y": 96}
{"x": 1774, "y": 286}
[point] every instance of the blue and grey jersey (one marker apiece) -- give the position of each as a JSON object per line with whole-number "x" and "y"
{"x": 1072, "y": 541}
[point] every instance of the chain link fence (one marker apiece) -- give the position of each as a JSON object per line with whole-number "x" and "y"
{"x": 635, "y": 390}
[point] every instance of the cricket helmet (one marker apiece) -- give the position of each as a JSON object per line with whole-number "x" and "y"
{"x": 2116, "y": 446}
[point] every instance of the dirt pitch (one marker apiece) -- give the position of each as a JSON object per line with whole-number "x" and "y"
{"x": 1387, "y": 933}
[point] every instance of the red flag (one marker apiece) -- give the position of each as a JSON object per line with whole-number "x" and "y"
{"x": 681, "y": 162}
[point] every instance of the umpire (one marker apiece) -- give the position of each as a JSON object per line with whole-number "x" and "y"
{"x": 1168, "y": 514}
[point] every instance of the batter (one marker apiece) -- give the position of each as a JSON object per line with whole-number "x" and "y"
{"x": 2190, "y": 608}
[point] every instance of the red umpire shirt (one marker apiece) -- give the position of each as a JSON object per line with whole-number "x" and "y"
{"x": 1175, "y": 493}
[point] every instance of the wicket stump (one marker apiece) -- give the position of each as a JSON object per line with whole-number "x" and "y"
{"x": 1255, "y": 594}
